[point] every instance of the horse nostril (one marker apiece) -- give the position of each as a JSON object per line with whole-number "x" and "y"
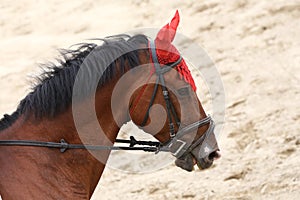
{"x": 214, "y": 155}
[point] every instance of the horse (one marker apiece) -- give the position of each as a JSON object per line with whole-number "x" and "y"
{"x": 56, "y": 144}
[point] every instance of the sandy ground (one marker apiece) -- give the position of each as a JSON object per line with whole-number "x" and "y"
{"x": 256, "y": 48}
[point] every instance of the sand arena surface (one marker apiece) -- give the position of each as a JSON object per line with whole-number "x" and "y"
{"x": 256, "y": 48}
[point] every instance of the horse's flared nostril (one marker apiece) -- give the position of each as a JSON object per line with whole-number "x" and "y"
{"x": 214, "y": 155}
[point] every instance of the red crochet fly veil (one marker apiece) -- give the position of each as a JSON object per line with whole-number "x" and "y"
{"x": 167, "y": 53}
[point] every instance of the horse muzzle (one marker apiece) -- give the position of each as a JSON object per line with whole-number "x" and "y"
{"x": 206, "y": 162}
{"x": 202, "y": 152}
{"x": 188, "y": 161}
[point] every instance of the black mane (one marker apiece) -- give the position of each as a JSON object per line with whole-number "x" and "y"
{"x": 52, "y": 94}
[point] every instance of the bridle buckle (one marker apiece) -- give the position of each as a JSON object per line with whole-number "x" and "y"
{"x": 183, "y": 143}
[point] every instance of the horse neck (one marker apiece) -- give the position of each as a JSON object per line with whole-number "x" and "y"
{"x": 33, "y": 172}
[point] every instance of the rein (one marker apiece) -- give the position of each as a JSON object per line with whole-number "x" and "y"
{"x": 175, "y": 145}
{"x": 148, "y": 146}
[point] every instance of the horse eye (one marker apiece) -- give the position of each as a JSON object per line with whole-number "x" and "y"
{"x": 185, "y": 91}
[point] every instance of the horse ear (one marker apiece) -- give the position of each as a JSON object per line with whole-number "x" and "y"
{"x": 168, "y": 32}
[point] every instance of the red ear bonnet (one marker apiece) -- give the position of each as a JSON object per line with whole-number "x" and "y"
{"x": 167, "y": 53}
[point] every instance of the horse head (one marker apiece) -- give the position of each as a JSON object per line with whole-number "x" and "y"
{"x": 182, "y": 125}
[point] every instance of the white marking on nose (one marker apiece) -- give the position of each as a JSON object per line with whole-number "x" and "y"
{"x": 206, "y": 149}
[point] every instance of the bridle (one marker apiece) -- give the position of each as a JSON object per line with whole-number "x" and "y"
{"x": 176, "y": 145}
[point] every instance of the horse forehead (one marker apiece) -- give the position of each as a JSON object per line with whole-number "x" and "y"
{"x": 173, "y": 79}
